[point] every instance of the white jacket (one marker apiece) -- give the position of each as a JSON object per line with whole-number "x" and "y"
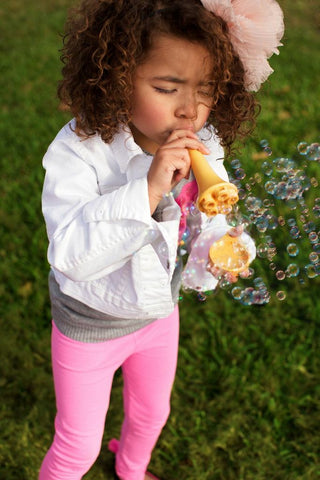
{"x": 104, "y": 247}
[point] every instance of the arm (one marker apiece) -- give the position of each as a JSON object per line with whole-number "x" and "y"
{"x": 91, "y": 234}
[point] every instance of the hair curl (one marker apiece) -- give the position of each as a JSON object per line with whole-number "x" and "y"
{"x": 105, "y": 41}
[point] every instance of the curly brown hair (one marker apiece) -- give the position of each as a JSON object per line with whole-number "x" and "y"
{"x": 105, "y": 41}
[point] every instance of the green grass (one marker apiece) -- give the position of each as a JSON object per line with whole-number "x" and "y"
{"x": 246, "y": 400}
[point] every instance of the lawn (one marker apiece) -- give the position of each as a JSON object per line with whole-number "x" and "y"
{"x": 246, "y": 401}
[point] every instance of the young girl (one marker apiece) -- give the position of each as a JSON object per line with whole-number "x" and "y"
{"x": 146, "y": 80}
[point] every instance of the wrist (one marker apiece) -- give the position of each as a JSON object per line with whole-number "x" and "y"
{"x": 154, "y": 199}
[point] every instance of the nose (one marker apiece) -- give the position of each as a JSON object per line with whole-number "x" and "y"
{"x": 187, "y": 107}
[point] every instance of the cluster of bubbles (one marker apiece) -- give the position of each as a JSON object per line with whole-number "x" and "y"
{"x": 281, "y": 208}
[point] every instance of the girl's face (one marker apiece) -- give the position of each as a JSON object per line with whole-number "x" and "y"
{"x": 172, "y": 91}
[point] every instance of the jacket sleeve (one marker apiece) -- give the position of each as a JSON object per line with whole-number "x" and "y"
{"x": 91, "y": 235}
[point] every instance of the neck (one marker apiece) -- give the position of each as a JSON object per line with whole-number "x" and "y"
{"x": 144, "y": 143}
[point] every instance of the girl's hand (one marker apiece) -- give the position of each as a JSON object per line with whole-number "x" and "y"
{"x": 219, "y": 273}
{"x": 171, "y": 163}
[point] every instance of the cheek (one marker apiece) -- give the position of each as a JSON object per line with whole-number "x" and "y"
{"x": 203, "y": 114}
{"x": 150, "y": 112}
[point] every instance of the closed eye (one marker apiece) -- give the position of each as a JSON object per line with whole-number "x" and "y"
{"x": 165, "y": 90}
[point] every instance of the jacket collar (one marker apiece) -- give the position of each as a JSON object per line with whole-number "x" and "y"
{"x": 124, "y": 148}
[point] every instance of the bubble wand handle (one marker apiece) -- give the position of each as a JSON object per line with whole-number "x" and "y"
{"x": 218, "y": 196}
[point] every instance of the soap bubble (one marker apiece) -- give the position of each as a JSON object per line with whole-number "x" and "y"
{"x": 264, "y": 143}
{"x": 313, "y": 257}
{"x": 253, "y": 203}
{"x": 236, "y": 292}
{"x": 235, "y": 163}
{"x": 295, "y": 232}
{"x": 239, "y": 173}
{"x": 313, "y": 237}
{"x": 316, "y": 247}
{"x": 280, "y": 275}
{"x": 267, "y": 168}
{"x": 292, "y": 270}
{"x": 281, "y": 295}
{"x": 284, "y": 164}
{"x": 313, "y": 152}
{"x": 270, "y": 186}
{"x": 302, "y": 148}
{"x": 268, "y": 151}
{"x": 292, "y": 249}
{"x": 311, "y": 270}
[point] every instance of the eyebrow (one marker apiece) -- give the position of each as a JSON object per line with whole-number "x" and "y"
{"x": 170, "y": 79}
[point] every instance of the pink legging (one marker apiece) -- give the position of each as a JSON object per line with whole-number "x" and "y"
{"x": 83, "y": 374}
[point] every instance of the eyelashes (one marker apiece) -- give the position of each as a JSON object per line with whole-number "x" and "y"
{"x": 165, "y": 91}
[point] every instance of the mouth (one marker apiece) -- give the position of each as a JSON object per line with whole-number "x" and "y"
{"x": 182, "y": 127}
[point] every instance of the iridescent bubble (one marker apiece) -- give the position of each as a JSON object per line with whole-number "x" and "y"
{"x": 267, "y": 168}
{"x": 302, "y": 148}
{"x": 236, "y": 292}
{"x": 281, "y": 295}
{"x": 280, "y": 274}
{"x": 284, "y": 164}
{"x": 201, "y": 297}
{"x": 304, "y": 181}
{"x": 308, "y": 227}
{"x": 239, "y": 173}
{"x": 267, "y": 203}
{"x": 247, "y": 297}
{"x": 236, "y": 163}
{"x": 258, "y": 282}
{"x": 291, "y": 222}
{"x": 264, "y": 143}
{"x": 281, "y": 191}
{"x": 261, "y": 296}
{"x": 314, "y": 182}
{"x": 268, "y": 151}
{"x": 294, "y": 188}
{"x": 270, "y": 186}
{"x": 281, "y": 221}
{"x": 242, "y": 194}
{"x": 313, "y": 237}
{"x": 292, "y": 270}
{"x": 316, "y": 247}
{"x": 295, "y": 232}
{"x": 262, "y": 250}
{"x": 313, "y": 257}
{"x": 261, "y": 224}
{"x": 313, "y": 152}
{"x": 272, "y": 222}
{"x": 193, "y": 209}
{"x": 311, "y": 270}
{"x": 247, "y": 275}
{"x": 253, "y": 203}
{"x": 292, "y": 249}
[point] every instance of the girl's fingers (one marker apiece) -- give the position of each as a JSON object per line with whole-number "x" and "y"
{"x": 185, "y": 139}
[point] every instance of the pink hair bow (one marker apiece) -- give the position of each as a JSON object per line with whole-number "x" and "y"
{"x": 256, "y": 28}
